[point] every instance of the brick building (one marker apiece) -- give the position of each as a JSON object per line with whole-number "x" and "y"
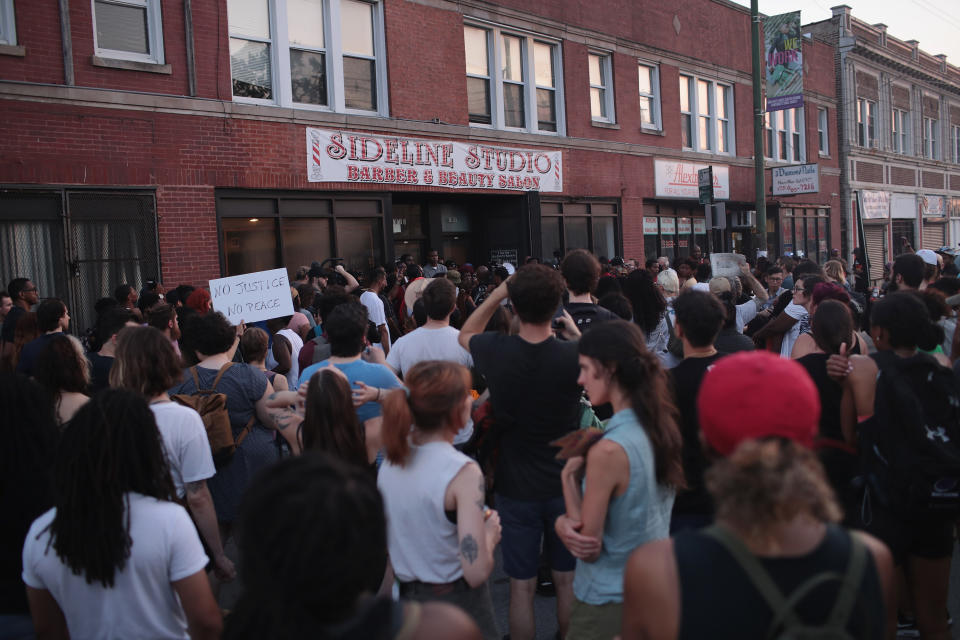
{"x": 182, "y": 138}
{"x": 899, "y": 140}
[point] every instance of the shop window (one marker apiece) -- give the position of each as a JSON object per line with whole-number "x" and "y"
{"x": 904, "y": 233}
{"x": 578, "y": 225}
{"x": 600, "y": 67}
{"x": 128, "y": 30}
{"x": 249, "y": 244}
{"x": 804, "y": 233}
{"x": 358, "y": 242}
{"x": 900, "y": 124}
{"x": 649, "y": 95}
{"x": 326, "y": 54}
{"x": 303, "y": 240}
{"x": 8, "y": 24}
{"x": 931, "y": 135}
{"x": 706, "y": 108}
{"x": 512, "y": 80}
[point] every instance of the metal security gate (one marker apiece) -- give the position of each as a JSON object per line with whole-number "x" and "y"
{"x": 933, "y": 235}
{"x": 78, "y": 245}
{"x": 876, "y": 241}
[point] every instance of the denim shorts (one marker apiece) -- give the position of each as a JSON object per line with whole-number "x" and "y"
{"x": 528, "y": 525}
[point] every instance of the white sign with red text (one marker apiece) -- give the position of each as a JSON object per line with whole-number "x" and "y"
{"x": 679, "y": 179}
{"x": 802, "y": 178}
{"x": 342, "y": 156}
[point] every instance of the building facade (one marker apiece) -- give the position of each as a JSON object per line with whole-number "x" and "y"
{"x": 899, "y": 141}
{"x": 193, "y": 139}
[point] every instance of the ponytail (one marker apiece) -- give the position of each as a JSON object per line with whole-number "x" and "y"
{"x": 395, "y": 430}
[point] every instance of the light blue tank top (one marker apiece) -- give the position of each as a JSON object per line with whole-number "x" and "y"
{"x": 638, "y": 516}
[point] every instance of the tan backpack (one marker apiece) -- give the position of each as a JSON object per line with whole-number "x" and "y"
{"x": 212, "y": 407}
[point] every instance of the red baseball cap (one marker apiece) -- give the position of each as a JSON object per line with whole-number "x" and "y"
{"x": 735, "y": 402}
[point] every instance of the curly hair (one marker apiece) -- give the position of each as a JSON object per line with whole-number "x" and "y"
{"x": 647, "y": 301}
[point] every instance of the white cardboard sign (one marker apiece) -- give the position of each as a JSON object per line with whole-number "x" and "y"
{"x": 252, "y": 297}
{"x": 726, "y": 264}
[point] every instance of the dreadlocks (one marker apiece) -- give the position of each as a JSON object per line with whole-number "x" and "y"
{"x": 112, "y": 447}
{"x": 331, "y": 512}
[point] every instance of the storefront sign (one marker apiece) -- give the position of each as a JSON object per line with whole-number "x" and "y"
{"x": 699, "y": 226}
{"x": 784, "y": 61}
{"x": 252, "y": 297}
{"x": 340, "y": 156}
{"x": 499, "y": 256}
{"x": 650, "y": 226}
{"x": 668, "y": 225}
{"x": 874, "y": 205}
{"x": 932, "y": 206}
{"x": 683, "y": 225}
{"x": 804, "y": 178}
{"x": 680, "y": 180}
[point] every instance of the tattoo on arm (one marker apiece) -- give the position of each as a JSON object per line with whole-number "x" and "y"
{"x": 469, "y": 548}
{"x": 195, "y": 487}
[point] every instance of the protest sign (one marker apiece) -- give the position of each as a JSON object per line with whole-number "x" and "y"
{"x": 252, "y": 297}
{"x": 726, "y": 264}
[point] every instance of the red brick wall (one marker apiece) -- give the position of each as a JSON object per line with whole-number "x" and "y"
{"x": 187, "y": 229}
{"x": 38, "y": 30}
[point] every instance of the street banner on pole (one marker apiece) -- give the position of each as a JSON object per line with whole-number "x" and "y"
{"x": 784, "y": 61}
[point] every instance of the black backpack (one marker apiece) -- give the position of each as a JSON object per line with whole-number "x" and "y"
{"x": 910, "y": 448}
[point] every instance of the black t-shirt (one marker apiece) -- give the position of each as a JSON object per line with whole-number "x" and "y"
{"x": 687, "y": 378}
{"x": 31, "y": 351}
{"x": 10, "y": 323}
{"x": 586, "y": 314}
{"x": 535, "y": 399}
{"x": 99, "y": 371}
{"x": 731, "y": 341}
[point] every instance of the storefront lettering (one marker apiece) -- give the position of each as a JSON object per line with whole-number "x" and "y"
{"x": 382, "y": 175}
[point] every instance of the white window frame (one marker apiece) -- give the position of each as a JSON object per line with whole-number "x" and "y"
{"x": 900, "y": 131}
{"x": 823, "y": 131}
{"x": 606, "y": 77}
{"x": 8, "y": 23}
{"x": 653, "y": 96}
{"x": 931, "y": 139}
{"x": 710, "y": 112}
{"x": 785, "y": 130}
{"x": 955, "y": 142}
{"x": 154, "y": 32}
{"x": 866, "y": 123}
{"x": 279, "y": 42}
{"x": 486, "y": 78}
{"x": 494, "y": 66}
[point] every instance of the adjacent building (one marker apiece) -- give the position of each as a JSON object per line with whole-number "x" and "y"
{"x": 899, "y": 140}
{"x": 189, "y": 139}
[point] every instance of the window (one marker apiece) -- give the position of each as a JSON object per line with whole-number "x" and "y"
{"x": 649, "y": 96}
{"x": 784, "y": 140}
{"x": 512, "y": 80}
{"x": 8, "y": 25}
{"x": 321, "y": 54}
{"x": 955, "y": 143}
{"x": 706, "y": 115}
{"x": 578, "y": 225}
{"x": 601, "y": 87}
{"x": 900, "y": 124}
{"x": 866, "y": 123}
{"x": 930, "y": 137}
{"x": 128, "y": 30}
{"x": 823, "y": 131}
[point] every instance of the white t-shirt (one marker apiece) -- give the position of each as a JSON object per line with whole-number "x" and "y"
{"x": 431, "y": 344}
{"x": 185, "y": 443}
{"x": 745, "y": 313}
{"x": 796, "y": 312}
{"x": 375, "y": 311}
{"x": 296, "y": 343}
{"x": 142, "y": 603}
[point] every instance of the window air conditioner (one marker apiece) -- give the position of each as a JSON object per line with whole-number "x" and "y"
{"x": 744, "y": 218}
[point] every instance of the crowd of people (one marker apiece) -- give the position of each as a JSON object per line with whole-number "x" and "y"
{"x": 673, "y": 453}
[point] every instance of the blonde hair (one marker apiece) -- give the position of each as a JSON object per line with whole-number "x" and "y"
{"x": 834, "y": 270}
{"x": 769, "y": 481}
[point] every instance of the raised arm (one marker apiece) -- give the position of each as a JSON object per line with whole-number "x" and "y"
{"x": 754, "y": 284}
{"x": 478, "y": 320}
{"x": 352, "y": 284}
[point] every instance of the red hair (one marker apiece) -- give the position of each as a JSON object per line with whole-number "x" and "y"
{"x": 432, "y": 400}
{"x": 199, "y": 301}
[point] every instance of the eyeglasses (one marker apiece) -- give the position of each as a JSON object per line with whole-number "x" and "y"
{"x": 799, "y": 289}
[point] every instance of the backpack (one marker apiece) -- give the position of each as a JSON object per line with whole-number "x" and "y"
{"x": 910, "y": 448}
{"x": 212, "y": 407}
{"x": 786, "y": 625}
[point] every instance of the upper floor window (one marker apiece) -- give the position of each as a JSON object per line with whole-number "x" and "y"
{"x": 706, "y": 115}
{"x": 8, "y": 25}
{"x": 601, "y": 87}
{"x": 512, "y": 80}
{"x": 324, "y": 54}
{"x": 649, "y": 96}
{"x": 955, "y": 143}
{"x": 900, "y": 130}
{"x": 866, "y": 122}
{"x": 128, "y": 30}
{"x": 823, "y": 131}
{"x": 931, "y": 135}
{"x": 784, "y": 135}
